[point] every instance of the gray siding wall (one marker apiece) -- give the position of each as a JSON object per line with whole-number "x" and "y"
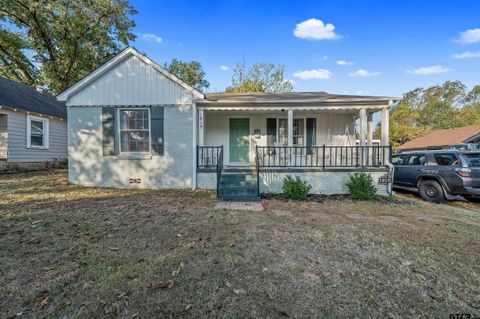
{"x": 87, "y": 165}
{"x": 131, "y": 82}
{"x": 3, "y": 136}
{"x": 17, "y": 139}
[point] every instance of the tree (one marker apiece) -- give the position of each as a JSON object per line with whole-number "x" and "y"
{"x": 261, "y": 77}
{"x": 53, "y": 44}
{"x": 189, "y": 72}
{"x": 438, "y": 107}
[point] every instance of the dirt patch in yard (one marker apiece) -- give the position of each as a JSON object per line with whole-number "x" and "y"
{"x": 355, "y": 216}
{"x": 78, "y": 252}
{"x": 427, "y": 218}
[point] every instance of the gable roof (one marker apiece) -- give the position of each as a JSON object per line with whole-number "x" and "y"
{"x": 19, "y": 96}
{"x": 293, "y": 97}
{"x": 443, "y": 137}
{"x": 121, "y": 56}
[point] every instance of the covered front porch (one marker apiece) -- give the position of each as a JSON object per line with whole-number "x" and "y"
{"x": 280, "y": 137}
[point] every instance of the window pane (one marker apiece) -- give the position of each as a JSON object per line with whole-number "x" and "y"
{"x": 445, "y": 159}
{"x": 134, "y": 120}
{"x": 298, "y": 130}
{"x": 283, "y": 131}
{"x": 397, "y": 160}
{"x": 135, "y": 141}
{"x": 416, "y": 160}
{"x": 37, "y": 127}
{"x": 36, "y": 140}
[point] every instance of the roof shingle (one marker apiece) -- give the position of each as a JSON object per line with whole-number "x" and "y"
{"x": 23, "y": 97}
{"x": 443, "y": 137}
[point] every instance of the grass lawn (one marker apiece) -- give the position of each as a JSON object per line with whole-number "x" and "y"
{"x": 75, "y": 252}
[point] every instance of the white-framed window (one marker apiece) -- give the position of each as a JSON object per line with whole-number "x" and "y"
{"x": 37, "y": 132}
{"x": 298, "y": 131}
{"x": 134, "y": 130}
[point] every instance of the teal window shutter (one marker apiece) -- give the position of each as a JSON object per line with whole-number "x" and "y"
{"x": 311, "y": 132}
{"x": 157, "y": 120}
{"x": 271, "y": 131}
{"x": 108, "y": 131}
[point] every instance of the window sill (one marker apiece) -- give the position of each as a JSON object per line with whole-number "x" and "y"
{"x": 134, "y": 157}
{"x": 37, "y": 148}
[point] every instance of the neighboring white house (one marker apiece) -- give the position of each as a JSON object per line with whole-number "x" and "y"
{"x": 33, "y": 126}
{"x": 133, "y": 124}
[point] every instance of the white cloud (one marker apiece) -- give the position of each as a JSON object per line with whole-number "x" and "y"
{"x": 343, "y": 62}
{"x": 470, "y": 36}
{"x": 224, "y": 68}
{"x": 427, "y": 70}
{"x": 315, "y": 29}
{"x": 363, "y": 73}
{"x": 321, "y": 74}
{"x": 466, "y": 55}
{"x": 152, "y": 37}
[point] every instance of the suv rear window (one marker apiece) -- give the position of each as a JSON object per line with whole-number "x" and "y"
{"x": 473, "y": 159}
{"x": 446, "y": 159}
{"x": 417, "y": 160}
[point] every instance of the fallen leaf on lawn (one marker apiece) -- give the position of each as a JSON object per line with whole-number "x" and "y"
{"x": 123, "y": 294}
{"x": 43, "y": 302}
{"x": 227, "y": 283}
{"x": 163, "y": 284}
{"x": 188, "y": 307}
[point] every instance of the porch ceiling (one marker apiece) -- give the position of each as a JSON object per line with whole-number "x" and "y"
{"x": 295, "y": 100}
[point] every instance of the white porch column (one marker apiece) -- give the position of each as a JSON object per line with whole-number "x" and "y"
{"x": 201, "y": 125}
{"x": 385, "y": 137}
{"x": 194, "y": 145}
{"x": 290, "y": 127}
{"x": 363, "y": 126}
{"x": 385, "y": 126}
{"x": 369, "y": 129}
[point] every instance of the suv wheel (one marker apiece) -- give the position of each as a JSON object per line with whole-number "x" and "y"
{"x": 431, "y": 191}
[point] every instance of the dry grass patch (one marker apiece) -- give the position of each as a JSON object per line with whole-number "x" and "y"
{"x": 71, "y": 251}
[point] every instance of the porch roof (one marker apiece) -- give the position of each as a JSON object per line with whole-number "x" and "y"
{"x": 293, "y": 99}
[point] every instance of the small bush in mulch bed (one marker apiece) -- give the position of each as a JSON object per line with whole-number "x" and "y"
{"x": 361, "y": 187}
{"x": 320, "y": 198}
{"x": 295, "y": 188}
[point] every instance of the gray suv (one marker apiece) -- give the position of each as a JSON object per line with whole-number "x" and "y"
{"x": 439, "y": 175}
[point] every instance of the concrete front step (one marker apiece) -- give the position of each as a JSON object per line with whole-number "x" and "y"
{"x": 235, "y": 185}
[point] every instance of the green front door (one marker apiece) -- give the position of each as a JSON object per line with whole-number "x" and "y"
{"x": 239, "y": 140}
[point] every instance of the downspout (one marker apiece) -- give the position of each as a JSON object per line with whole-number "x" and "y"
{"x": 194, "y": 146}
{"x": 391, "y": 171}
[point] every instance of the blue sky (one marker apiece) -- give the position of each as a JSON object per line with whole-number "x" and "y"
{"x": 390, "y": 46}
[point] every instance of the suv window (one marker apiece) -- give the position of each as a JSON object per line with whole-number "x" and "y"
{"x": 417, "y": 160}
{"x": 398, "y": 160}
{"x": 445, "y": 159}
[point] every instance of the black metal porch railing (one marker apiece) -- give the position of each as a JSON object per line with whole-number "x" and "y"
{"x": 209, "y": 156}
{"x": 330, "y": 156}
{"x": 219, "y": 168}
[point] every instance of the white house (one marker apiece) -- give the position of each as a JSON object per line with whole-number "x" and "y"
{"x": 33, "y": 126}
{"x": 132, "y": 124}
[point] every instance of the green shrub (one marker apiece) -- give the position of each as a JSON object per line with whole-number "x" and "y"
{"x": 361, "y": 187}
{"x": 295, "y": 188}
